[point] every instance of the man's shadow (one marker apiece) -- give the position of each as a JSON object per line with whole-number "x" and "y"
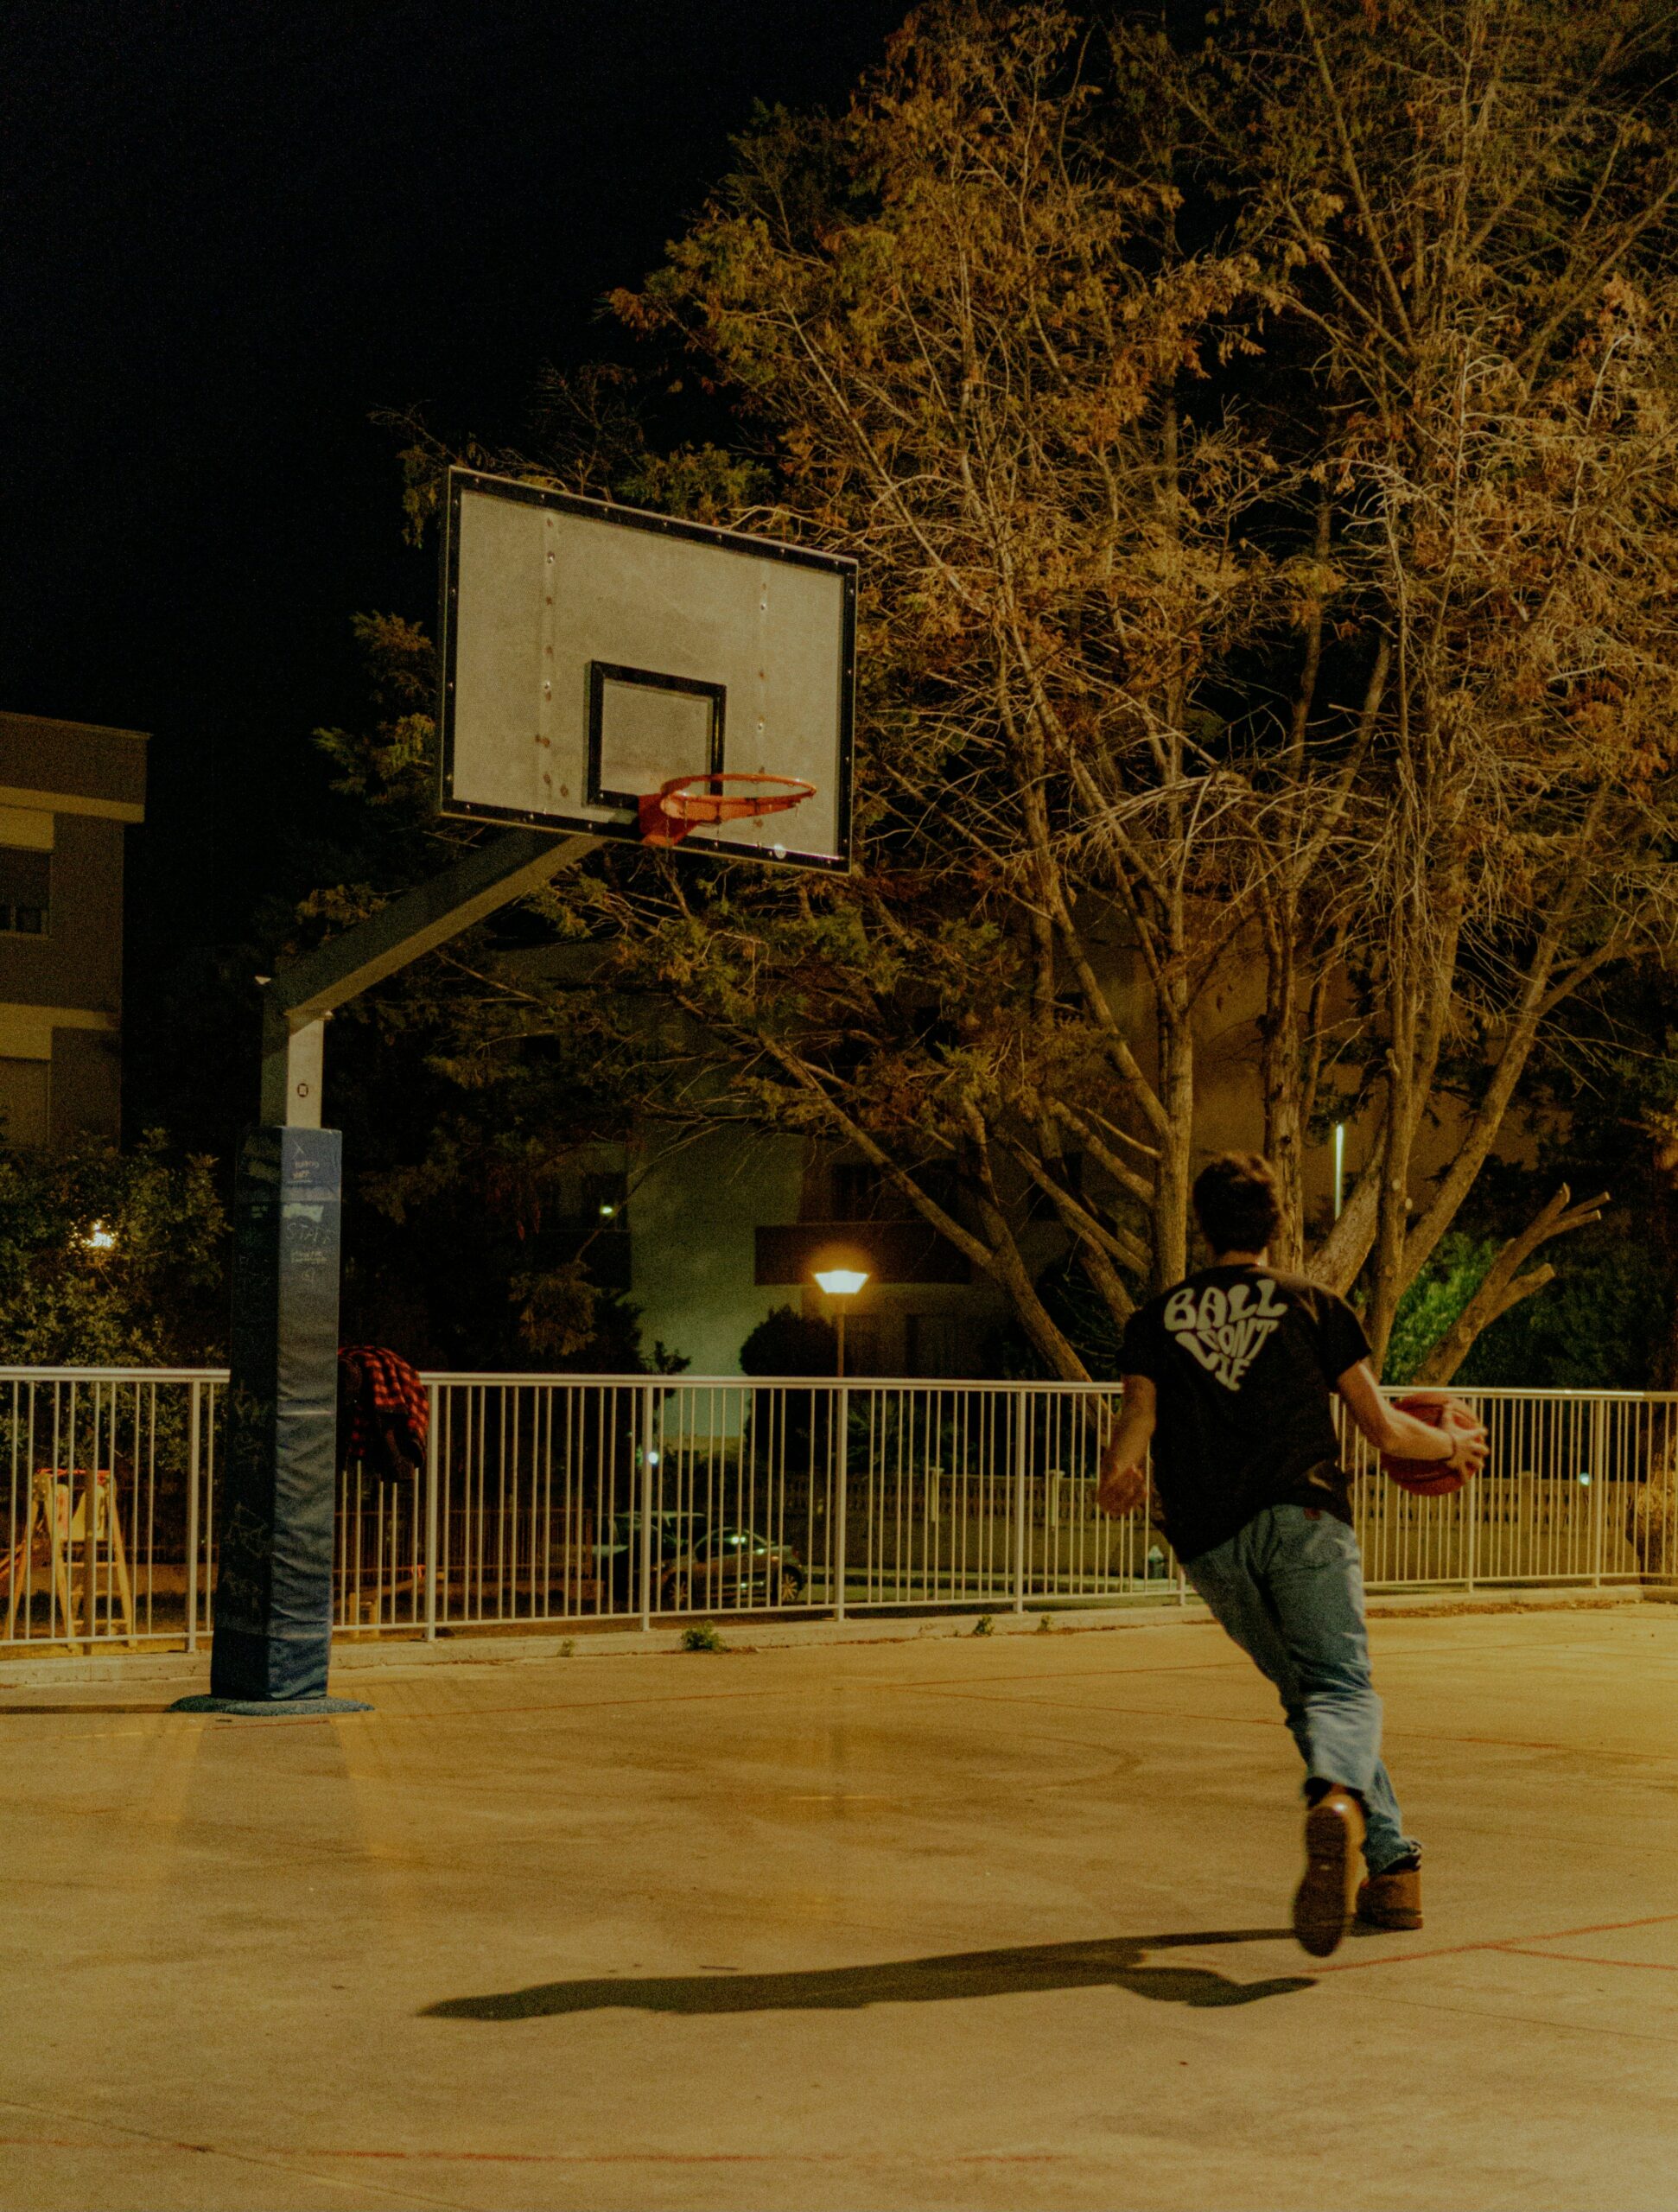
{"x": 1115, "y": 1963}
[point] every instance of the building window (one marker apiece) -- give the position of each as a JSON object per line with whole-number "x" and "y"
{"x": 25, "y": 881}
{"x": 859, "y": 1191}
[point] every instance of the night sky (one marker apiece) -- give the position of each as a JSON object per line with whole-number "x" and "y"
{"x": 228, "y": 232}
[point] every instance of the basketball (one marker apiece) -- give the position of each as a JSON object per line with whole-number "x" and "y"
{"x": 1426, "y": 1477}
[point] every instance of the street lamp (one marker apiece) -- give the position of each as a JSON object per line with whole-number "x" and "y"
{"x": 839, "y": 1284}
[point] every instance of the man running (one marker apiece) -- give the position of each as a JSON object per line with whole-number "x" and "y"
{"x": 1230, "y": 1377}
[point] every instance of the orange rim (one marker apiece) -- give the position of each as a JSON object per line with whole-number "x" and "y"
{"x": 676, "y": 807}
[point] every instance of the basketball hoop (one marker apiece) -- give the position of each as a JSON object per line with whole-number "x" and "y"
{"x": 682, "y": 805}
{"x": 691, "y": 680}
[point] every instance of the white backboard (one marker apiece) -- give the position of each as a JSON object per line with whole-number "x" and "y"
{"x": 592, "y": 651}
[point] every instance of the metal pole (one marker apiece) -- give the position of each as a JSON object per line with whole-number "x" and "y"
{"x": 90, "y": 1549}
{"x": 1471, "y": 1508}
{"x": 1339, "y": 1168}
{"x": 646, "y": 1509}
{"x": 274, "y": 1562}
{"x": 838, "y": 1518}
{"x": 839, "y": 1310}
{"x": 68, "y": 1461}
{"x": 1599, "y": 1458}
{"x": 293, "y": 1060}
{"x": 194, "y": 1475}
{"x": 431, "y": 1505}
{"x": 1021, "y": 1433}
{"x": 489, "y": 876}
{"x": 274, "y": 1567}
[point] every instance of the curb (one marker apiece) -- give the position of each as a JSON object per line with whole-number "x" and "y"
{"x": 65, "y": 1671}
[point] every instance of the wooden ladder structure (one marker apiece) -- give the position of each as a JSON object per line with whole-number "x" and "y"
{"x": 65, "y": 1504}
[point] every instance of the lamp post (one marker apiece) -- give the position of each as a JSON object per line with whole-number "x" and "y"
{"x": 839, "y": 1284}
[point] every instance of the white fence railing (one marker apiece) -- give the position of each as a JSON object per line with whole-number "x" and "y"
{"x": 549, "y": 1500}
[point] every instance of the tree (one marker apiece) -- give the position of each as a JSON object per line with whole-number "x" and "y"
{"x": 788, "y": 1343}
{"x": 1479, "y": 197}
{"x": 964, "y": 319}
{"x": 1599, "y": 1098}
{"x": 111, "y": 1259}
{"x": 1260, "y": 459}
{"x": 971, "y": 315}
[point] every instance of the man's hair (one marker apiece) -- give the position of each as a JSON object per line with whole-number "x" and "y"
{"x": 1236, "y": 1203}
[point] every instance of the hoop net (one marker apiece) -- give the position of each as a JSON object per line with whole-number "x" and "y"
{"x": 669, "y": 813}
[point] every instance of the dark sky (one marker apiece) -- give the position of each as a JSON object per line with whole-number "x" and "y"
{"x": 228, "y": 230}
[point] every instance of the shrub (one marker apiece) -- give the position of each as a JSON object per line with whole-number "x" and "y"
{"x": 111, "y": 1259}
{"x": 789, "y": 1344}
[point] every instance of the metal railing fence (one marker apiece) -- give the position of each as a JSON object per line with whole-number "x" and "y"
{"x": 556, "y": 1500}
{"x": 107, "y": 1487}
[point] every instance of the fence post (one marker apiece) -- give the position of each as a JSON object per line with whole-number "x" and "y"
{"x": 1471, "y": 1497}
{"x": 646, "y": 1509}
{"x": 1599, "y": 1460}
{"x": 1021, "y": 1434}
{"x": 431, "y": 1510}
{"x": 193, "y": 1475}
{"x": 839, "y": 1512}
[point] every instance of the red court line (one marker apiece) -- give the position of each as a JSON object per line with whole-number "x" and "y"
{"x": 1574, "y": 1958}
{"x": 680, "y": 2158}
{"x": 1512, "y": 1943}
{"x": 554, "y": 2157}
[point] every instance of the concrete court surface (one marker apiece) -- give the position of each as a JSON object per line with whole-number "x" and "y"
{"x": 945, "y": 1923}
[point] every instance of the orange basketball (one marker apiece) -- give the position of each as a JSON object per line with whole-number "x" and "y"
{"x": 1426, "y": 1477}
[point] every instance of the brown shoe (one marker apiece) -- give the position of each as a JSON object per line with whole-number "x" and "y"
{"x": 1392, "y": 1900}
{"x": 1323, "y": 1902}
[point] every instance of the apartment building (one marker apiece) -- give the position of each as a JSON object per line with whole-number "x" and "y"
{"x": 68, "y": 791}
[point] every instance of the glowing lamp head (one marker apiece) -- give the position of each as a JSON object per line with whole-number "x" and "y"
{"x": 101, "y": 1239}
{"x": 841, "y": 1282}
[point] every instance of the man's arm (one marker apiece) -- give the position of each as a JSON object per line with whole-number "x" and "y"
{"x": 1459, "y": 1439}
{"x": 1124, "y": 1464}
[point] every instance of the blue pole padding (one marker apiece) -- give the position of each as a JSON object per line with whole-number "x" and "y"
{"x": 274, "y": 1510}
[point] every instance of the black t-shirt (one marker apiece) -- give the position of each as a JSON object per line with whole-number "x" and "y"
{"x": 1244, "y": 1363}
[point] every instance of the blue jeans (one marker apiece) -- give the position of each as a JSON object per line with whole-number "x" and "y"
{"x": 1289, "y": 1588}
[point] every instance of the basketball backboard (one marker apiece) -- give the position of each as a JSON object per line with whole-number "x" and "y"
{"x": 594, "y": 653}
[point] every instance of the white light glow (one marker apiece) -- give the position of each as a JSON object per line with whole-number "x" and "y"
{"x": 101, "y": 1239}
{"x": 841, "y": 1282}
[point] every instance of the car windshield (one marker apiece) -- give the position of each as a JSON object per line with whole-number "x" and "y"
{"x": 672, "y": 1533}
{"x": 731, "y": 1542}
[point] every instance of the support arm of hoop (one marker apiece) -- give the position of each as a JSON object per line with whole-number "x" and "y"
{"x": 298, "y": 1001}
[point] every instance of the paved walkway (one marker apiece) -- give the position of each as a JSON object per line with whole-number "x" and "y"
{"x": 949, "y": 1923}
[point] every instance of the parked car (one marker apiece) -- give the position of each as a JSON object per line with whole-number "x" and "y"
{"x": 619, "y": 1553}
{"x": 728, "y": 1565}
{"x": 696, "y": 1562}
